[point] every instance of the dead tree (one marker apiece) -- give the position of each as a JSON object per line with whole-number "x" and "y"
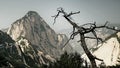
{"x": 81, "y": 30}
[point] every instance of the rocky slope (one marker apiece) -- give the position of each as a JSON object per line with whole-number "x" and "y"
{"x": 20, "y": 54}
{"x": 109, "y": 51}
{"x": 39, "y": 34}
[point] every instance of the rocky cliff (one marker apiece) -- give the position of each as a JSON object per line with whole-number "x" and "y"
{"x": 20, "y": 54}
{"x": 39, "y": 34}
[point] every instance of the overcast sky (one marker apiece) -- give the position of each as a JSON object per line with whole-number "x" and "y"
{"x": 90, "y": 11}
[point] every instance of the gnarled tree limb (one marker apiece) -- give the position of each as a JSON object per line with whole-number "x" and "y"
{"x": 82, "y": 30}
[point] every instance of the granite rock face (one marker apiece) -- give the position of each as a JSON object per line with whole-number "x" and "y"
{"x": 20, "y": 54}
{"x": 39, "y": 34}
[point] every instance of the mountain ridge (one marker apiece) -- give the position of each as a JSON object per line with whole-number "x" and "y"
{"x": 41, "y": 36}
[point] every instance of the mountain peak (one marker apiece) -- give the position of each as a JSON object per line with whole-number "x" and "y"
{"x": 31, "y": 13}
{"x": 34, "y": 29}
{"x": 29, "y": 17}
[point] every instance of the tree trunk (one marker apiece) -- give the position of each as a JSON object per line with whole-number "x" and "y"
{"x": 88, "y": 53}
{"x": 83, "y": 44}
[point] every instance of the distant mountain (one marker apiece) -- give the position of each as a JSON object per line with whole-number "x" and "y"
{"x": 32, "y": 32}
{"x": 109, "y": 51}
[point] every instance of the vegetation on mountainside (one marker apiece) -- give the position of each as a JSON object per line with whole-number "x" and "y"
{"x": 72, "y": 60}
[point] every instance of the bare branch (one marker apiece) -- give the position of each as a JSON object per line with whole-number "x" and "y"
{"x": 98, "y": 58}
{"x": 100, "y": 39}
{"x": 66, "y": 43}
{"x": 72, "y": 13}
{"x": 71, "y": 38}
{"x": 106, "y": 23}
{"x": 112, "y": 28}
{"x": 55, "y": 17}
{"x": 107, "y": 27}
{"x": 94, "y": 33}
{"x": 82, "y": 30}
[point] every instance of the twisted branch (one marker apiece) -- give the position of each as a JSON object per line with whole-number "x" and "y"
{"x": 82, "y": 30}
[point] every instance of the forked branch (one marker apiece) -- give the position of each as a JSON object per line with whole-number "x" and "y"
{"x": 82, "y": 30}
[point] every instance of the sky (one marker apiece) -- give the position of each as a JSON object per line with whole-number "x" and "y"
{"x": 90, "y": 11}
